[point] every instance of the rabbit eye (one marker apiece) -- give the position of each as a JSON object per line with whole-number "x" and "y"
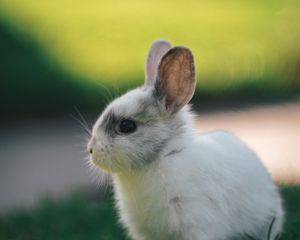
{"x": 127, "y": 126}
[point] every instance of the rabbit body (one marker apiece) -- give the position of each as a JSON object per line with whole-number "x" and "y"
{"x": 169, "y": 181}
{"x": 207, "y": 187}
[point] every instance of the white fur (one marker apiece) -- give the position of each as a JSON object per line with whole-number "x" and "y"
{"x": 215, "y": 188}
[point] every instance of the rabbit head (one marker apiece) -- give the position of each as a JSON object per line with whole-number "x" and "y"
{"x": 134, "y": 128}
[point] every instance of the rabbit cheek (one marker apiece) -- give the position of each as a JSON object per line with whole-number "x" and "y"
{"x": 111, "y": 158}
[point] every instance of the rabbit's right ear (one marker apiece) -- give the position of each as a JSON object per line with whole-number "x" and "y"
{"x": 156, "y": 52}
{"x": 176, "y": 78}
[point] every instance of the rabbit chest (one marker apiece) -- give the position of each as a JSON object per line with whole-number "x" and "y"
{"x": 150, "y": 205}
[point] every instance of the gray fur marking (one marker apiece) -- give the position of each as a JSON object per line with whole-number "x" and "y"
{"x": 172, "y": 152}
{"x": 110, "y": 123}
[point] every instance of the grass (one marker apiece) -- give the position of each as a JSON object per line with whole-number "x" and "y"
{"x": 77, "y": 217}
{"x": 81, "y": 217}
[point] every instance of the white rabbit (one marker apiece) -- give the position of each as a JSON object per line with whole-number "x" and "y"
{"x": 169, "y": 181}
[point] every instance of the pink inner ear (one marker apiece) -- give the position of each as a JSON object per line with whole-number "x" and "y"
{"x": 156, "y": 52}
{"x": 176, "y": 76}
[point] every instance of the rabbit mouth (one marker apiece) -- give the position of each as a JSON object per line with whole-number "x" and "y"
{"x": 110, "y": 162}
{"x": 100, "y": 161}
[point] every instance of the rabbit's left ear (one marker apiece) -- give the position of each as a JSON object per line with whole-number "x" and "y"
{"x": 176, "y": 78}
{"x": 156, "y": 52}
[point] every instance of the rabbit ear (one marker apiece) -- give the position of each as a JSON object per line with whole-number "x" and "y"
{"x": 176, "y": 79}
{"x": 156, "y": 52}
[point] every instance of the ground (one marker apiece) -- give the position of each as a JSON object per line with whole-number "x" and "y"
{"x": 82, "y": 216}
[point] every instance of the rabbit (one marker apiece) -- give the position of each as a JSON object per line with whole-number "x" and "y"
{"x": 171, "y": 182}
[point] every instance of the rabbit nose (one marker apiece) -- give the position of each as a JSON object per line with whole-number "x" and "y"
{"x": 90, "y": 150}
{"x": 90, "y": 146}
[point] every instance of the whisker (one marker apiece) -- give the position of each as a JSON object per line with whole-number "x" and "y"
{"x": 81, "y": 145}
{"x": 108, "y": 96}
{"x": 82, "y": 124}
{"x": 82, "y": 137}
{"x": 100, "y": 178}
{"x": 82, "y": 118}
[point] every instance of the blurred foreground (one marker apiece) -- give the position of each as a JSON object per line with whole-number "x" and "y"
{"x": 93, "y": 217}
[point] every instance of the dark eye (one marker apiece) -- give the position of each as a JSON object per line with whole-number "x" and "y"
{"x": 127, "y": 126}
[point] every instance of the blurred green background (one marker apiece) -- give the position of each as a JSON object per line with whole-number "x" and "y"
{"x": 74, "y": 50}
{"x": 58, "y": 55}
